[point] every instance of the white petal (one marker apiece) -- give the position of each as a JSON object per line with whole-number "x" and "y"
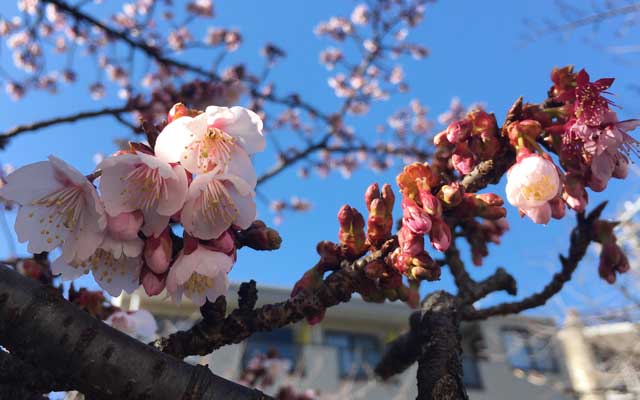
{"x": 246, "y": 208}
{"x": 67, "y": 171}
{"x": 32, "y": 225}
{"x": 66, "y": 270}
{"x": 31, "y": 182}
{"x": 176, "y": 137}
{"x": 240, "y": 165}
{"x": 241, "y": 123}
{"x": 182, "y": 269}
{"x": 82, "y": 242}
{"x": 116, "y": 275}
{"x": 211, "y": 263}
{"x": 154, "y": 223}
{"x": 112, "y": 185}
{"x": 177, "y": 187}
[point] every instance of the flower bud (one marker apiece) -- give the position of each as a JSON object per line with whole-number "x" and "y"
{"x": 157, "y": 252}
{"x": 557, "y": 208}
{"x": 373, "y": 192}
{"x": 528, "y": 129}
{"x": 410, "y": 243}
{"x": 540, "y": 214}
{"x": 351, "y": 233}
{"x": 260, "y": 237}
{"x": 388, "y": 197}
{"x": 463, "y": 163}
{"x": 178, "y": 110}
{"x": 152, "y": 283}
{"x": 483, "y": 122}
{"x": 441, "y": 139}
{"x": 574, "y": 193}
{"x": 440, "y": 235}
{"x": 451, "y": 194}
{"x": 621, "y": 169}
{"x": 430, "y": 203}
{"x": 415, "y": 177}
{"x": 125, "y": 226}
{"x": 459, "y": 131}
{"x": 415, "y": 218}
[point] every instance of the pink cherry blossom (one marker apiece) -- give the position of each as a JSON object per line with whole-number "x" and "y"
{"x": 199, "y": 275}
{"x": 140, "y": 324}
{"x": 140, "y": 181}
{"x": 215, "y": 202}
{"x": 125, "y": 226}
{"x": 152, "y": 283}
{"x": 114, "y": 273}
{"x": 215, "y": 138}
{"x": 157, "y": 252}
{"x": 531, "y": 183}
{"x": 59, "y": 208}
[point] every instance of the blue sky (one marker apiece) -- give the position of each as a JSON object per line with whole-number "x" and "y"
{"x": 475, "y": 55}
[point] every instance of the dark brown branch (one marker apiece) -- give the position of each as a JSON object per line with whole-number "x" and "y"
{"x": 214, "y": 332}
{"x": 40, "y": 327}
{"x": 581, "y": 237}
{"x": 17, "y": 376}
{"x": 112, "y": 111}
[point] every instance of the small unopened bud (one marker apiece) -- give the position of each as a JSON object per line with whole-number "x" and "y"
{"x": 158, "y": 251}
{"x": 329, "y": 252}
{"x": 260, "y": 237}
{"x": 557, "y": 208}
{"x": 459, "y": 131}
{"x": 440, "y": 235}
{"x": 388, "y": 197}
{"x": 451, "y": 194}
{"x": 351, "y": 233}
{"x": 178, "y": 110}
{"x": 152, "y": 283}
{"x": 125, "y": 226}
{"x": 430, "y": 203}
{"x": 373, "y": 192}
{"x": 415, "y": 218}
{"x": 223, "y": 243}
{"x": 528, "y": 129}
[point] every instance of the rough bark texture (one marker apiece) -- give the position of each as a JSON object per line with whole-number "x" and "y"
{"x": 41, "y": 328}
{"x": 440, "y": 360}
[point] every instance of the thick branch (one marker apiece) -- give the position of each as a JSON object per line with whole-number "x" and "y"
{"x": 214, "y": 331}
{"x": 40, "y": 327}
{"x": 581, "y": 237}
{"x": 112, "y": 111}
{"x": 17, "y": 376}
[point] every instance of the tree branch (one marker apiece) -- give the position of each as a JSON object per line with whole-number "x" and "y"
{"x": 15, "y": 131}
{"x": 215, "y": 331}
{"x": 40, "y": 327}
{"x": 17, "y": 376}
{"x": 581, "y": 237}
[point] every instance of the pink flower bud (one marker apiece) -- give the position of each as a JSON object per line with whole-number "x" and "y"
{"x": 152, "y": 283}
{"x": 178, "y": 110}
{"x": 430, "y": 203}
{"x": 531, "y": 182}
{"x": 223, "y": 243}
{"x": 451, "y": 194}
{"x": 410, "y": 243}
{"x": 158, "y": 251}
{"x": 440, "y": 235}
{"x": 125, "y": 226}
{"x": 373, "y": 192}
{"x": 463, "y": 163}
{"x": 622, "y": 167}
{"x": 459, "y": 131}
{"x": 557, "y": 208}
{"x": 415, "y": 218}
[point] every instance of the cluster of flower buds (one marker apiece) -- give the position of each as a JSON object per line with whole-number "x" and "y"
{"x": 198, "y": 174}
{"x": 470, "y": 140}
{"x": 421, "y": 215}
{"x": 612, "y": 257}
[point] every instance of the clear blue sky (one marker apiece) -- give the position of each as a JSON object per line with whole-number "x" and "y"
{"x": 475, "y": 55}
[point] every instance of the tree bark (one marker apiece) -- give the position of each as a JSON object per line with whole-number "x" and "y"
{"x": 440, "y": 360}
{"x": 38, "y": 326}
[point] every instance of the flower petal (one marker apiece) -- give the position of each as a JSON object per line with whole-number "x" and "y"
{"x": 177, "y": 187}
{"x": 66, "y": 270}
{"x": 241, "y": 123}
{"x": 30, "y": 183}
{"x": 115, "y": 275}
{"x": 176, "y": 137}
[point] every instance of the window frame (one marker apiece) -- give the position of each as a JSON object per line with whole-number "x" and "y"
{"x": 361, "y": 374}
{"x": 533, "y": 360}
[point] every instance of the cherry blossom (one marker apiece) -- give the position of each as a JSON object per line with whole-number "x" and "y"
{"x": 140, "y": 181}
{"x": 140, "y": 323}
{"x": 199, "y": 273}
{"x": 218, "y": 137}
{"x": 59, "y": 207}
{"x": 531, "y": 183}
{"x": 114, "y": 273}
{"x": 215, "y": 202}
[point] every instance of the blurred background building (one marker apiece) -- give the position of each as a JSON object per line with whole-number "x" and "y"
{"x": 516, "y": 357}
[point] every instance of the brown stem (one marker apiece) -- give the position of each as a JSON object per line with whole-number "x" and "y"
{"x": 581, "y": 237}
{"x": 112, "y": 111}
{"x": 40, "y": 327}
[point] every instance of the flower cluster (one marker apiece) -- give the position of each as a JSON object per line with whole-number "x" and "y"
{"x": 198, "y": 174}
{"x": 470, "y": 140}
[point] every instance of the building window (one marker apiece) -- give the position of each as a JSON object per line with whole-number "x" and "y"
{"x": 529, "y": 352}
{"x": 358, "y": 354}
{"x": 275, "y": 344}
{"x": 471, "y": 372}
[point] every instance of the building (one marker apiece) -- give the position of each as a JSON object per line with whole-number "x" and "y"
{"x": 603, "y": 360}
{"x": 504, "y": 358}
